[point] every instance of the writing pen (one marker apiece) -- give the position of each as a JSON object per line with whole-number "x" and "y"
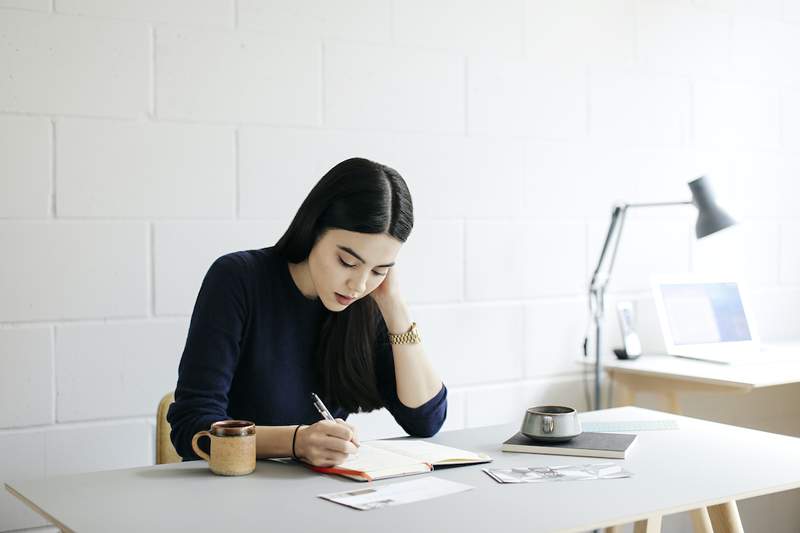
{"x": 322, "y": 409}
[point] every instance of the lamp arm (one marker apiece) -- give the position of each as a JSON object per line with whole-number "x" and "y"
{"x": 600, "y": 279}
{"x": 660, "y": 204}
{"x": 597, "y": 289}
{"x": 605, "y": 263}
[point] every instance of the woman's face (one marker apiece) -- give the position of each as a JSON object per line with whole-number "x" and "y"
{"x": 346, "y": 265}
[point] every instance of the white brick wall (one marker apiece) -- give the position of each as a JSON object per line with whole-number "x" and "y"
{"x": 110, "y": 169}
{"x": 362, "y": 20}
{"x": 762, "y": 49}
{"x": 22, "y": 456}
{"x": 392, "y": 88}
{"x": 98, "y": 446}
{"x": 736, "y": 115}
{"x": 554, "y": 331}
{"x": 139, "y": 362}
{"x": 494, "y": 355}
{"x": 525, "y": 99}
{"x": 791, "y": 120}
{"x": 433, "y": 261}
{"x": 25, "y": 167}
{"x": 236, "y": 77}
{"x": 512, "y": 260}
{"x": 595, "y": 32}
{"x": 749, "y": 251}
{"x": 53, "y": 65}
{"x": 73, "y": 270}
{"x": 470, "y": 26}
{"x": 703, "y": 48}
{"x": 139, "y": 140}
{"x": 636, "y": 108}
{"x": 33, "y": 5}
{"x": 494, "y": 404}
{"x": 27, "y": 380}
{"x": 200, "y": 12}
{"x": 777, "y": 310}
{"x": 790, "y": 253}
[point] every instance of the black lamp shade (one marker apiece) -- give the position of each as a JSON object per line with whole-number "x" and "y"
{"x": 710, "y": 217}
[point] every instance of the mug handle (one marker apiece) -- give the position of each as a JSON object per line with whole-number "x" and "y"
{"x": 547, "y": 424}
{"x": 196, "y": 448}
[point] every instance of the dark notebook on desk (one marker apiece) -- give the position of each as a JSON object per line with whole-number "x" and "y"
{"x": 587, "y": 444}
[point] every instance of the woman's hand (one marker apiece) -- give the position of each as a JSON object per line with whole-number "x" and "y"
{"x": 326, "y": 443}
{"x": 388, "y": 291}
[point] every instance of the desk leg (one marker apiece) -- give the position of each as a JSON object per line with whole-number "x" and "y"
{"x": 725, "y": 518}
{"x": 701, "y": 523}
{"x": 651, "y": 525}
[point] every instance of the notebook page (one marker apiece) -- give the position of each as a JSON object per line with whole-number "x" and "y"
{"x": 427, "y": 452}
{"x": 371, "y": 458}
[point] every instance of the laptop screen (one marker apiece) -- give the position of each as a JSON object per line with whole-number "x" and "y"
{"x": 700, "y": 313}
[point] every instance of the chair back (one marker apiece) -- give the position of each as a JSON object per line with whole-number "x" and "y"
{"x": 165, "y": 451}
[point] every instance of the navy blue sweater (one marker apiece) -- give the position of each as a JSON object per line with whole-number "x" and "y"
{"x": 250, "y": 353}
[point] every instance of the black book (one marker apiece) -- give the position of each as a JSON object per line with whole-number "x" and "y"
{"x": 587, "y": 444}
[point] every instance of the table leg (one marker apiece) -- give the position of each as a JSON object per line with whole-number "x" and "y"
{"x": 701, "y": 523}
{"x": 725, "y": 518}
{"x": 722, "y": 518}
{"x": 651, "y": 525}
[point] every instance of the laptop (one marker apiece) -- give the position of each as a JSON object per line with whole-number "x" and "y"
{"x": 711, "y": 319}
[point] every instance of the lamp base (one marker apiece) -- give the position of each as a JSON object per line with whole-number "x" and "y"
{"x": 621, "y": 353}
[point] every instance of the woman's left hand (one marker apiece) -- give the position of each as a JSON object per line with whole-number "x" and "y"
{"x": 388, "y": 291}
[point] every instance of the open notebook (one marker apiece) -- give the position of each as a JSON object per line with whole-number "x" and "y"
{"x": 380, "y": 459}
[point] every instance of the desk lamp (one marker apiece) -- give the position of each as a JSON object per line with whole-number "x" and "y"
{"x": 710, "y": 219}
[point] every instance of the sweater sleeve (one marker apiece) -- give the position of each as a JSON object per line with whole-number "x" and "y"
{"x": 210, "y": 356}
{"x": 422, "y": 421}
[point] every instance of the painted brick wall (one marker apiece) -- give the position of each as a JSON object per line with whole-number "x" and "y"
{"x": 142, "y": 139}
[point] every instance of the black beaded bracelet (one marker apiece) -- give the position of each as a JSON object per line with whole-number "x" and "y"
{"x": 294, "y": 438}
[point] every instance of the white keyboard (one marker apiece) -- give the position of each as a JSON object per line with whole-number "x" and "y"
{"x": 630, "y": 425}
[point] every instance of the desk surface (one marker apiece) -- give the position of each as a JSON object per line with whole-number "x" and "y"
{"x": 738, "y": 375}
{"x": 702, "y": 463}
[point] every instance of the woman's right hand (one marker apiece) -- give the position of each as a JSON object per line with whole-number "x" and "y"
{"x": 326, "y": 443}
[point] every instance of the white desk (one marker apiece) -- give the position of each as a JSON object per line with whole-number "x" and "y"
{"x": 669, "y": 376}
{"x": 701, "y": 465}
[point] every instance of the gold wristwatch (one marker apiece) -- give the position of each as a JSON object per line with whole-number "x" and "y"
{"x": 409, "y": 337}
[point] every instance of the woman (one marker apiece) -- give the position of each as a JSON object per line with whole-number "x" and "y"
{"x": 318, "y": 312}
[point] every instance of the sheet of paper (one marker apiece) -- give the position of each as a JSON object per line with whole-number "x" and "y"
{"x": 541, "y": 474}
{"x": 396, "y": 493}
{"x": 426, "y": 451}
{"x": 371, "y": 458}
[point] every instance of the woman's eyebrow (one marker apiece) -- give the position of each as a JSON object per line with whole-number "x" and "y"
{"x": 351, "y": 252}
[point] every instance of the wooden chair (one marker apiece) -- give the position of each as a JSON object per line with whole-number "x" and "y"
{"x": 165, "y": 451}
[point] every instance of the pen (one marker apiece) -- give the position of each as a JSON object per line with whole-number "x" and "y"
{"x": 322, "y": 409}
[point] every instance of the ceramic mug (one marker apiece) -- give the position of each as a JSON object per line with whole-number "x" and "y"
{"x": 233, "y": 447}
{"x": 551, "y": 423}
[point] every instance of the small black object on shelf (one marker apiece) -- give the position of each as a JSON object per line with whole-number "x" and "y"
{"x": 621, "y": 353}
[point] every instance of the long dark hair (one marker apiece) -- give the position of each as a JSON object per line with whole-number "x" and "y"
{"x": 366, "y": 197}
